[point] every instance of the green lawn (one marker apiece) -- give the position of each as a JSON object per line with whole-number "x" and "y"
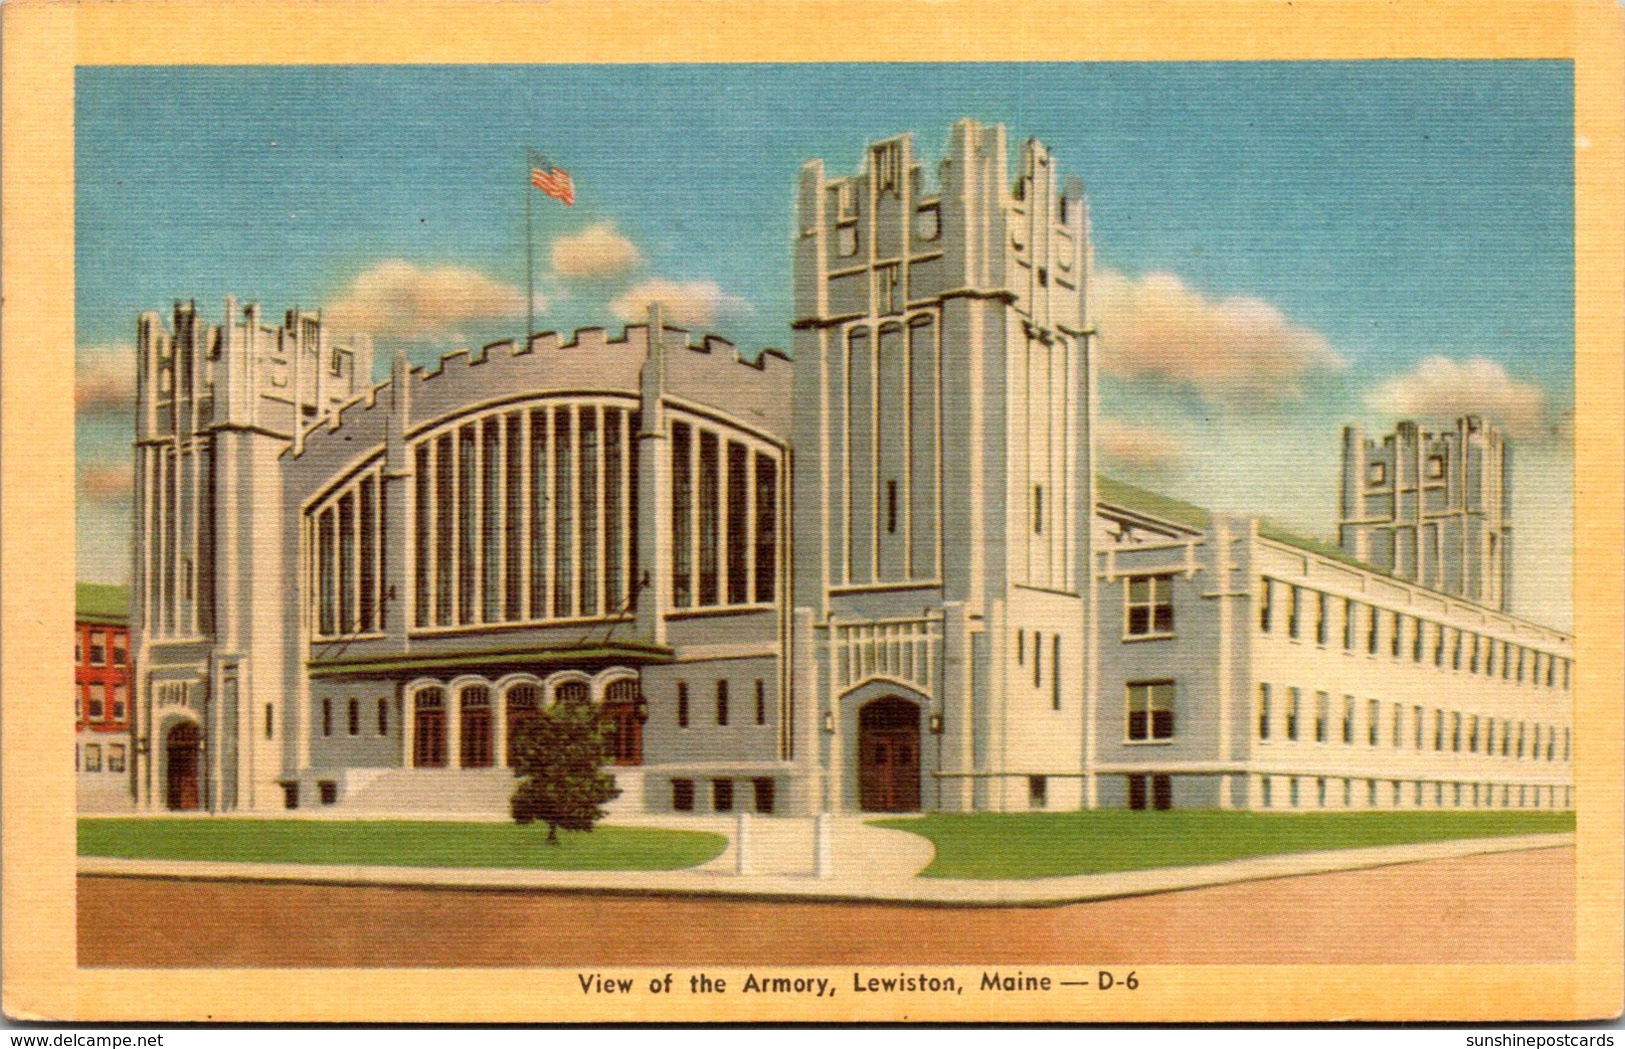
{"x": 1037, "y": 845}
{"x": 396, "y": 844}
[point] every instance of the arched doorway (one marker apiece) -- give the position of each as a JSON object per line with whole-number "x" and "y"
{"x": 183, "y": 746}
{"x": 524, "y": 703}
{"x": 889, "y": 756}
{"x": 626, "y": 731}
{"x": 475, "y": 734}
{"x": 429, "y": 728}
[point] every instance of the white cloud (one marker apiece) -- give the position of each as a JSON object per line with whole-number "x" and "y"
{"x": 106, "y": 480}
{"x": 697, "y": 304}
{"x": 1440, "y": 389}
{"x": 596, "y": 252}
{"x": 104, "y": 379}
{"x": 1230, "y": 351}
{"x": 1127, "y": 445}
{"x": 396, "y": 299}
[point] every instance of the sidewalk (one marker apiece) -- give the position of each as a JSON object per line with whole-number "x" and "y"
{"x": 871, "y": 864}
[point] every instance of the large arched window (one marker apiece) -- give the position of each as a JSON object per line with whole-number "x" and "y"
{"x": 475, "y": 749}
{"x": 524, "y": 704}
{"x": 429, "y": 727}
{"x": 621, "y": 712}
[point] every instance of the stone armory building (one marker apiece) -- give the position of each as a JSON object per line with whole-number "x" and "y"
{"x": 882, "y": 574}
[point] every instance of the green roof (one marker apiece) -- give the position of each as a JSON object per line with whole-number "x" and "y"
{"x": 97, "y": 602}
{"x": 1141, "y": 500}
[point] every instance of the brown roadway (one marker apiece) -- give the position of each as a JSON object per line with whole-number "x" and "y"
{"x": 1508, "y": 907}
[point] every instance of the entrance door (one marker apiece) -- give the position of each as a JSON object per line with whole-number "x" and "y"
{"x": 183, "y": 748}
{"x": 889, "y": 756}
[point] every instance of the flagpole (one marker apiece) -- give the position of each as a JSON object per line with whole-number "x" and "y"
{"x": 530, "y": 262}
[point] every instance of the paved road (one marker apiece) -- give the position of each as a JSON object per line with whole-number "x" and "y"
{"x": 1509, "y": 907}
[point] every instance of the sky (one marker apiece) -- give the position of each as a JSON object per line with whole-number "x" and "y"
{"x": 1282, "y": 248}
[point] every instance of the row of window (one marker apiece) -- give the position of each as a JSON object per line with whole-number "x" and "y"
{"x": 722, "y": 708}
{"x": 87, "y": 757}
{"x": 723, "y": 794}
{"x": 90, "y": 649}
{"x": 724, "y": 520}
{"x": 350, "y": 541}
{"x": 1305, "y": 613}
{"x": 100, "y": 702}
{"x": 1438, "y": 730}
{"x": 1410, "y": 794}
{"x": 1038, "y": 663}
{"x": 477, "y": 711}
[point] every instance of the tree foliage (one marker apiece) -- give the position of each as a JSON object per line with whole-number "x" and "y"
{"x": 559, "y": 757}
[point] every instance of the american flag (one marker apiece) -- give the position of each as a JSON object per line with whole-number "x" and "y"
{"x": 555, "y": 182}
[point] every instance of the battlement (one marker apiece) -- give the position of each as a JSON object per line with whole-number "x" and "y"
{"x": 710, "y": 371}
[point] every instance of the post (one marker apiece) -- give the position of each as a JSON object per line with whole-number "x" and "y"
{"x": 742, "y": 844}
{"x": 530, "y": 259}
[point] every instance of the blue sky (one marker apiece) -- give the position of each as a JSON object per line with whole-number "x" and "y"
{"x": 1396, "y": 235}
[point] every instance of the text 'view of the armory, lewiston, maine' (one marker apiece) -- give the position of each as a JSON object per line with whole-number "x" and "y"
{"x": 880, "y": 574}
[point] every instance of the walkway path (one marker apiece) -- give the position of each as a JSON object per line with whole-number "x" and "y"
{"x": 869, "y": 863}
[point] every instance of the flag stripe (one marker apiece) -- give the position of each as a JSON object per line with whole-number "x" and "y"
{"x": 555, "y": 182}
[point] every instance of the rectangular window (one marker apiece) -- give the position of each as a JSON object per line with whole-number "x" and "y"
{"x": 270, "y": 721}
{"x": 1055, "y": 672}
{"x": 722, "y": 795}
{"x": 1373, "y": 713}
{"x": 682, "y": 704}
{"x": 1294, "y": 600}
{"x": 1293, "y": 712}
{"x": 96, "y": 707}
{"x": 588, "y": 516}
{"x": 121, "y": 656}
{"x": 1416, "y": 641}
{"x": 1489, "y": 657}
{"x": 1150, "y": 710}
{"x": 1399, "y": 723}
{"x": 762, "y": 787}
{"x": 120, "y": 693}
{"x": 327, "y": 717}
{"x": 738, "y": 524}
{"x": 564, "y": 473}
{"x": 1455, "y": 657}
{"x": 491, "y": 507}
{"x": 1372, "y": 632}
{"x": 366, "y": 558}
{"x": 383, "y": 717}
{"x": 710, "y": 515}
{"x": 540, "y": 491}
{"x": 1037, "y": 792}
{"x": 93, "y": 757}
{"x": 1350, "y": 614}
{"x": 355, "y": 716}
{"x": 115, "y": 757}
{"x": 1266, "y": 607}
{"x": 466, "y": 525}
{"x": 98, "y": 650}
{"x": 423, "y": 508}
{"x": 767, "y": 528}
{"x": 347, "y": 563}
{"x": 1038, "y": 657}
{"x": 326, "y": 584}
{"x": 1348, "y": 719}
{"x": 1438, "y": 730}
{"x": 761, "y": 702}
{"x": 722, "y": 702}
{"x": 1438, "y": 645}
{"x": 891, "y": 506}
{"x": 1472, "y": 734}
{"x": 1321, "y": 601}
{"x": 1150, "y": 605}
{"x": 445, "y": 538}
{"x": 1021, "y": 648}
{"x": 1323, "y": 703}
{"x": 1394, "y": 642}
{"x": 1263, "y": 712}
{"x": 682, "y": 795}
{"x": 1038, "y": 509}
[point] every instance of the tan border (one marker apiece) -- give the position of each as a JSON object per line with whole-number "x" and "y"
{"x": 42, "y": 41}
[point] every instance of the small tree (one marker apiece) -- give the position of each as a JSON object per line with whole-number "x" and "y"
{"x": 559, "y": 757}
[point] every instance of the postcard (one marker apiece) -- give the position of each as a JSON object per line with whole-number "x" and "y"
{"x": 839, "y": 513}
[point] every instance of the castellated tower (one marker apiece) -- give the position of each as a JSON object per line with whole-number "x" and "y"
{"x": 216, "y": 406}
{"x": 1432, "y": 508}
{"x": 943, "y": 476}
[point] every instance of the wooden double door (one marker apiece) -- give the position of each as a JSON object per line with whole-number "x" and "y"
{"x": 889, "y": 756}
{"x": 184, "y": 747}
